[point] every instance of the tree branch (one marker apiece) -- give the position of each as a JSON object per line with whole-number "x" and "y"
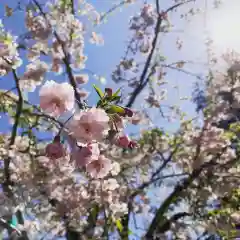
{"x": 8, "y": 182}
{"x": 177, "y": 192}
{"x": 14, "y": 129}
{"x": 167, "y": 224}
{"x": 143, "y": 83}
{"x": 66, "y": 60}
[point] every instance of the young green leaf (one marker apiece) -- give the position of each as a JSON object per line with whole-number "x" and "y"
{"x": 117, "y": 92}
{"x": 115, "y": 98}
{"x": 116, "y": 109}
{"x": 119, "y": 225}
{"x": 99, "y": 91}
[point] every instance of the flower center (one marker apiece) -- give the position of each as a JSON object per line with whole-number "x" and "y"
{"x": 98, "y": 165}
{"x": 57, "y": 102}
{"x": 87, "y": 127}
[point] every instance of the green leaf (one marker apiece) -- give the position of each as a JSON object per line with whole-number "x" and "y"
{"x": 113, "y": 98}
{"x": 117, "y": 92}
{"x": 119, "y": 225}
{"x": 99, "y": 91}
{"x": 116, "y": 109}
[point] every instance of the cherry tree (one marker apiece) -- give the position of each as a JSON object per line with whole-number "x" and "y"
{"x": 92, "y": 180}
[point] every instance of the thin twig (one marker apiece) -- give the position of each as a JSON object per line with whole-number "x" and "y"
{"x": 142, "y": 81}
{"x": 112, "y": 9}
{"x": 66, "y": 60}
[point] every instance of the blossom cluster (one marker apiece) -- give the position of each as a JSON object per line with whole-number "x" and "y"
{"x": 142, "y": 26}
{"x": 86, "y": 129}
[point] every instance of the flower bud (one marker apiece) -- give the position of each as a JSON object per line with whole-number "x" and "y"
{"x": 132, "y": 144}
{"x": 123, "y": 141}
{"x": 108, "y": 91}
{"x": 128, "y": 112}
{"x": 55, "y": 150}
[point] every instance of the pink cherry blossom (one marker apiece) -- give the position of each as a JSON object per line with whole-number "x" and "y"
{"x": 84, "y": 155}
{"x": 123, "y": 141}
{"x": 55, "y": 150}
{"x": 56, "y": 98}
{"x": 99, "y": 168}
{"x": 89, "y": 125}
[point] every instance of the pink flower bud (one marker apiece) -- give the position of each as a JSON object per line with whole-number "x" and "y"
{"x": 108, "y": 91}
{"x": 99, "y": 167}
{"x": 123, "y": 141}
{"x": 128, "y": 112}
{"x": 55, "y": 150}
{"x": 132, "y": 145}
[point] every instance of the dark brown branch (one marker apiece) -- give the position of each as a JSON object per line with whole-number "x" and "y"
{"x": 8, "y": 182}
{"x": 167, "y": 224}
{"x": 141, "y": 85}
{"x": 72, "y": 7}
{"x": 177, "y": 192}
{"x": 183, "y": 71}
{"x": 142, "y": 81}
{"x": 66, "y": 60}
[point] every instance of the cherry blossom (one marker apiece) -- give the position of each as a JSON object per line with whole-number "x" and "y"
{"x": 34, "y": 75}
{"x": 89, "y": 125}
{"x": 85, "y": 154}
{"x": 55, "y": 150}
{"x": 56, "y": 98}
{"x": 99, "y": 167}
